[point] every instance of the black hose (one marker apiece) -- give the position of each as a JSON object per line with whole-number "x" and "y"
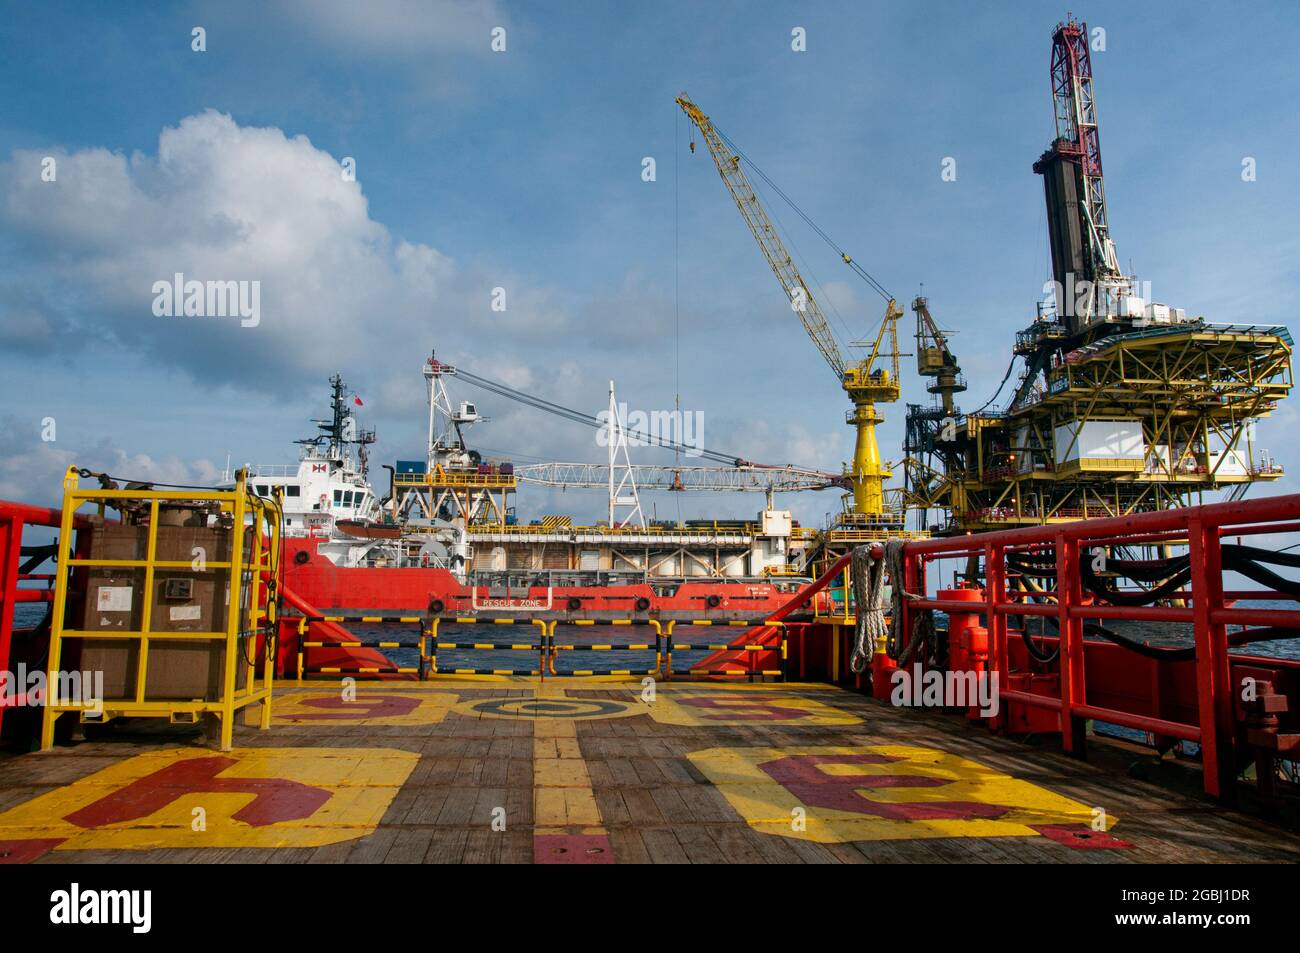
{"x": 1023, "y": 624}
{"x": 1264, "y": 555}
{"x": 1144, "y": 649}
{"x": 1242, "y": 559}
{"x": 1235, "y": 639}
{"x": 1099, "y": 587}
{"x": 1033, "y": 649}
{"x": 38, "y": 555}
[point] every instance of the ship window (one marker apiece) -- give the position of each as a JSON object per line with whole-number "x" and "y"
{"x": 338, "y": 496}
{"x": 347, "y": 498}
{"x": 292, "y": 489}
{"x": 261, "y": 490}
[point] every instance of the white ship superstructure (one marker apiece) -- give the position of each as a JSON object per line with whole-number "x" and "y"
{"x": 328, "y": 487}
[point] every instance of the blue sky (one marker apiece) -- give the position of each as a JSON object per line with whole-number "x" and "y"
{"x": 522, "y": 170}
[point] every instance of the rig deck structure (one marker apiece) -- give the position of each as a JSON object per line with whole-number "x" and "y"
{"x": 516, "y": 772}
{"x": 1130, "y": 422}
{"x": 769, "y": 749}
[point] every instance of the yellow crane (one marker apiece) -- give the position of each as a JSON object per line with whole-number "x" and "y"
{"x": 866, "y": 384}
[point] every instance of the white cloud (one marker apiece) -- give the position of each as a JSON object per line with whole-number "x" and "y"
{"x": 226, "y": 202}
{"x": 33, "y": 470}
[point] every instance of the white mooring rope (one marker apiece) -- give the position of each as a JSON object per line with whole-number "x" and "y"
{"x": 868, "y": 597}
{"x": 868, "y": 574}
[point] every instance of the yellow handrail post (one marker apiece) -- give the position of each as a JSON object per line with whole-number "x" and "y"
{"x": 60, "y": 607}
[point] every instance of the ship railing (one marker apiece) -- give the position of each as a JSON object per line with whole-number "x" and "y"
{"x": 1205, "y": 604}
{"x": 756, "y": 654}
{"x": 698, "y": 532}
{"x": 1227, "y": 731}
{"x": 553, "y": 648}
{"x": 269, "y": 470}
{"x": 538, "y": 646}
{"x": 492, "y": 480}
{"x": 15, "y": 569}
{"x": 756, "y": 662}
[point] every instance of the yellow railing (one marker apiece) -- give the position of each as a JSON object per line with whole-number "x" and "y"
{"x": 453, "y": 478}
{"x": 872, "y": 535}
{"x": 254, "y": 544}
{"x": 784, "y": 571}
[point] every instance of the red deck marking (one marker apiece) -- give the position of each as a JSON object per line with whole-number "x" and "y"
{"x": 1080, "y": 838}
{"x": 276, "y": 799}
{"x": 802, "y": 776}
{"x": 747, "y": 709}
{"x": 572, "y": 849}
{"x": 25, "y": 851}
{"x": 370, "y": 707}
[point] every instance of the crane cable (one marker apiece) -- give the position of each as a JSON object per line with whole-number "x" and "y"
{"x": 858, "y": 269}
{"x": 577, "y": 416}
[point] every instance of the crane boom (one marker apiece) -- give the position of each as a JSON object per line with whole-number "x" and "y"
{"x": 865, "y": 384}
{"x": 776, "y": 479}
{"x": 756, "y": 217}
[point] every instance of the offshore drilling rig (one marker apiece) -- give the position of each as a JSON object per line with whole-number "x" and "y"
{"x": 1123, "y": 405}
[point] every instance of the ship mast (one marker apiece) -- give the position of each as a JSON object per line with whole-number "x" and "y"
{"x": 340, "y": 430}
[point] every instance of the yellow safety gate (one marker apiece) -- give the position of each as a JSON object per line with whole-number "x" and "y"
{"x": 539, "y": 647}
{"x": 428, "y": 630}
{"x": 673, "y": 647}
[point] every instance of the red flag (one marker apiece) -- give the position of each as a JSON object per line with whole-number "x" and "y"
{"x": 357, "y": 401}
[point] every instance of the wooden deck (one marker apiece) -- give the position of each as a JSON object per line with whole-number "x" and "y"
{"x": 587, "y": 771}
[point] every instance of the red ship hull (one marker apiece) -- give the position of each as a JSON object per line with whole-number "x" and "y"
{"x": 419, "y": 590}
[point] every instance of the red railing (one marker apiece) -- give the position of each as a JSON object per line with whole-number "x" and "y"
{"x": 14, "y": 517}
{"x": 1208, "y": 612}
{"x": 1212, "y": 717}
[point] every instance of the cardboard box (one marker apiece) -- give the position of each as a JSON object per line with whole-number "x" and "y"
{"x": 183, "y": 600}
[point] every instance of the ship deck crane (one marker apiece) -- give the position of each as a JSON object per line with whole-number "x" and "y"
{"x": 866, "y": 384}
{"x": 934, "y": 358}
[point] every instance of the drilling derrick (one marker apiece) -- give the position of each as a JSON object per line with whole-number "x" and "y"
{"x": 1123, "y": 404}
{"x": 1084, "y": 265}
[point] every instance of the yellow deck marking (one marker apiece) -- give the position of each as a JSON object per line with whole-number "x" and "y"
{"x": 368, "y": 708}
{"x": 563, "y": 801}
{"x": 881, "y": 792}
{"x": 722, "y": 707}
{"x": 287, "y": 797}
